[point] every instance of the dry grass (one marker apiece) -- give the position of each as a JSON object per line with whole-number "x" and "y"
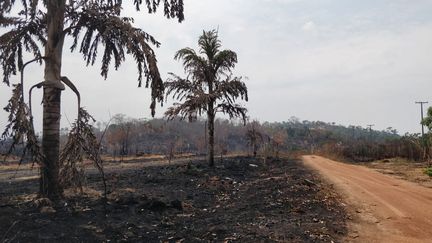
{"x": 17, "y": 166}
{"x": 403, "y": 169}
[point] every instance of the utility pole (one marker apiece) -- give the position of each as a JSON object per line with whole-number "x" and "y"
{"x": 421, "y": 107}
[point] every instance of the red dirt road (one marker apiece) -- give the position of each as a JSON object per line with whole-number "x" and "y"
{"x": 384, "y": 209}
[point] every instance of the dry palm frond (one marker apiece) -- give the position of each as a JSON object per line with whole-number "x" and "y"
{"x": 209, "y": 83}
{"x": 119, "y": 38}
{"x": 81, "y": 142}
{"x": 91, "y": 24}
{"x": 233, "y": 111}
{"x": 20, "y": 127}
{"x": 25, "y": 36}
{"x": 231, "y": 89}
{"x": 172, "y": 8}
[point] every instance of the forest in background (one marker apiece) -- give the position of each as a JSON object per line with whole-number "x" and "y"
{"x": 125, "y": 136}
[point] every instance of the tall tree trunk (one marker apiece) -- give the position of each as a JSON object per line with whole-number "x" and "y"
{"x": 211, "y": 117}
{"x": 49, "y": 182}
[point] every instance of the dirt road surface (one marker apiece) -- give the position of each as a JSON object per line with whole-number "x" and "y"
{"x": 383, "y": 208}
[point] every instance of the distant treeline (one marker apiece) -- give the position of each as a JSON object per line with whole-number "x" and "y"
{"x": 124, "y": 136}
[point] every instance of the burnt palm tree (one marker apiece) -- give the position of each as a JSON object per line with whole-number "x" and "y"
{"x": 209, "y": 87}
{"x": 253, "y": 136}
{"x": 96, "y": 28}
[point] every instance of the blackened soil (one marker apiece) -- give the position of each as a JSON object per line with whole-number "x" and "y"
{"x": 241, "y": 200}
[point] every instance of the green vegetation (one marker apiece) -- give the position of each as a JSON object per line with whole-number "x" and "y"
{"x": 428, "y": 171}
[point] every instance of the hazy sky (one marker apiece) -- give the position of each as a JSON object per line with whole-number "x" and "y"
{"x": 344, "y": 61}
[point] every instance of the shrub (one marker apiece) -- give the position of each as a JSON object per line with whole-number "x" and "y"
{"x": 428, "y": 171}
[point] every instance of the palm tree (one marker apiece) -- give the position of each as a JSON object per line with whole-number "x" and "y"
{"x": 91, "y": 25}
{"x": 254, "y": 136}
{"x": 209, "y": 87}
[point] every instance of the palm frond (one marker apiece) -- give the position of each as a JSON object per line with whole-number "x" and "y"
{"x": 29, "y": 7}
{"x": 81, "y": 141}
{"x": 9, "y": 21}
{"x": 233, "y": 111}
{"x": 209, "y": 44}
{"x": 231, "y": 89}
{"x": 181, "y": 88}
{"x": 205, "y": 71}
{"x": 192, "y": 63}
{"x": 119, "y": 38}
{"x": 20, "y": 127}
{"x": 193, "y": 106}
{"x": 26, "y": 36}
{"x": 225, "y": 61}
{"x": 172, "y": 8}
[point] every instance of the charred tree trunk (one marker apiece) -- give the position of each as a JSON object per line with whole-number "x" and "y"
{"x": 211, "y": 117}
{"x": 127, "y": 141}
{"x": 49, "y": 181}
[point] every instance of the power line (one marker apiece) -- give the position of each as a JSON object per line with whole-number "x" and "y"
{"x": 421, "y": 108}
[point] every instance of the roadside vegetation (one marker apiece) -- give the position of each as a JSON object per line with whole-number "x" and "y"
{"x": 125, "y": 136}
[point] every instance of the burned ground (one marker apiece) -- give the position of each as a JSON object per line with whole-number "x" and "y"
{"x": 241, "y": 200}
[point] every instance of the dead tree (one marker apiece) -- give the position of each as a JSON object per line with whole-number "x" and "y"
{"x": 92, "y": 25}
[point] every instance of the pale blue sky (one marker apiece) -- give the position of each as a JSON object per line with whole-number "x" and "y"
{"x": 344, "y": 61}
